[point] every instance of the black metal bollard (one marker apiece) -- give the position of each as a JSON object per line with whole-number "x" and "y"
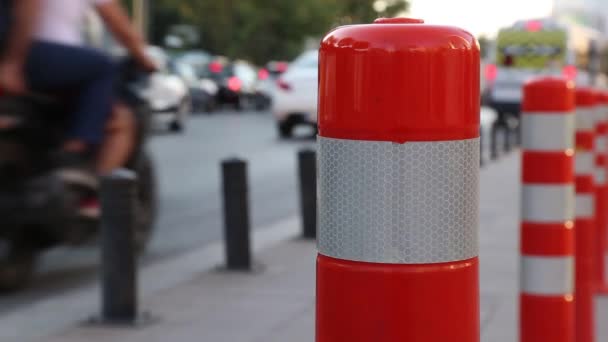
{"x": 236, "y": 215}
{"x": 307, "y": 169}
{"x": 508, "y": 137}
{"x": 494, "y": 140}
{"x": 118, "y": 254}
{"x": 517, "y": 131}
{"x": 481, "y": 142}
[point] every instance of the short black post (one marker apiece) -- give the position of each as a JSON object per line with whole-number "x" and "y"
{"x": 518, "y": 132}
{"x": 236, "y": 214}
{"x": 118, "y": 253}
{"x": 494, "y": 140}
{"x": 509, "y": 133}
{"x": 307, "y": 169}
{"x": 481, "y": 142}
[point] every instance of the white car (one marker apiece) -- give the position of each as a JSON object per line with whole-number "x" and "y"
{"x": 295, "y": 97}
{"x": 168, "y": 93}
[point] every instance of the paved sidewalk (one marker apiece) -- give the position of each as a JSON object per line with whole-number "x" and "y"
{"x": 277, "y": 304}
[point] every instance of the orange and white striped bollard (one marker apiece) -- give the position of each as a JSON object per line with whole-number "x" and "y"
{"x": 585, "y": 223}
{"x": 547, "y": 228}
{"x": 601, "y": 299}
{"x": 601, "y": 188}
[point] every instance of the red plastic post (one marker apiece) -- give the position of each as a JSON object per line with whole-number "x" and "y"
{"x": 398, "y": 184}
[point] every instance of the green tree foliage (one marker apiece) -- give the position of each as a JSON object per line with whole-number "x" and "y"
{"x": 260, "y": 30}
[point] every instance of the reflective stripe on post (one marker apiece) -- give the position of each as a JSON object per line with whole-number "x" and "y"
{"x": 398, "y": 184}
{"x": 547, "y": 211}
{"x": 585, "y": 223}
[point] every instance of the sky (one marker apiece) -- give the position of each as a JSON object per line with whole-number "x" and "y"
{"x": 479, "y": 16}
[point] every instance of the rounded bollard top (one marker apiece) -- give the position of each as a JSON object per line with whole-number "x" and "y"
{"x": 549, "y": 94}
{"x": 586, "y": 97}
{"x": 399, "y": 80}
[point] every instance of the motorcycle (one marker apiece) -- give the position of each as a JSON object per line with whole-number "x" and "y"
{"x": 38, "y": 210}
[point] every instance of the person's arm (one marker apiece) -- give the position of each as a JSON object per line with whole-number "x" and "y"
{"x": 117, "y": 20}
{"x": 25, "y": 15}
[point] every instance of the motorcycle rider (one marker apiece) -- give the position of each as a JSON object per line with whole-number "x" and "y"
{"x": 44, "y": 52}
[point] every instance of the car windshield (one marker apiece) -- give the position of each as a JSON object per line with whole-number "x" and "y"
{"x": 307, "y": 60}
{"x": 185, "y": 70}
{"x": 199, "y": 62}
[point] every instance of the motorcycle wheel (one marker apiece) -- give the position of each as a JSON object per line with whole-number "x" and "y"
{"x": 147, "y": 201}
{"x": 17, "y": 266}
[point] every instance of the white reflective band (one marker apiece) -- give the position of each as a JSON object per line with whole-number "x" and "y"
{"x": 547, "y": 275}
{"x": 548, "y": 132}
{"x": 409, "y": 203}
{"x": 547, "y": 203}
{"x": 600, "y": 144}
{"x": 584, "y": 206}
{"x": 597, "y": 115}
{"x": 600, "y": 175}
{"x": 584, "y": 162}
{"x": 585, "y": 119}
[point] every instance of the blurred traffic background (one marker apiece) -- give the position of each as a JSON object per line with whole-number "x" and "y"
{"x": 239, "y": 79}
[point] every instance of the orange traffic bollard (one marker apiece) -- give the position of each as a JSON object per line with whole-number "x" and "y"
{"x": 601, "y": 298}
{"x": 398, "y": 184}
{"x": 585, "y": 213}
{"x": 548, "y": 195}
{"x": 601, "y": 189}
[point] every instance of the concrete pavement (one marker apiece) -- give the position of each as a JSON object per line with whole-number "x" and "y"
{"x": 278, "y": 303}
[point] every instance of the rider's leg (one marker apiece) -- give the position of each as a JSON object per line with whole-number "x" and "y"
{"x": 120, "y": 139}
{"x": 86, "y": 73}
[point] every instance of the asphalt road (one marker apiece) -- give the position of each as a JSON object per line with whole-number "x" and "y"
{"x": 188, "y": 168}
{"x": 190, "y": 179}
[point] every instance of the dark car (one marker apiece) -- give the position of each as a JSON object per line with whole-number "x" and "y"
{"x": 238, "y": 84}
{"x": 203, "y": 91}
{"x": 203, "y": 86}
{"x": 276, "y": 68}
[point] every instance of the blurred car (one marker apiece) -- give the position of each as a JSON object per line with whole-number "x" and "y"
{"x": 168, "y": 93}
{"x": 276, "y": 68}
{"x": 533, "y": 48}
{"x": 198, "y": 59}
{"x": 239, "y": 84}
{"x": 268, "y": 80}
{"x": 295, "y": 99}
{"x": 265, "y": 89}
{"x": 203, "y": 91}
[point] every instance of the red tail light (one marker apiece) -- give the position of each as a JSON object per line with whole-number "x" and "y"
{"x": 263, "y": 74}
{"x": 569, "y": 72}
{"x": 282, "y": 66}
{"x": 509, "y": 61}
{"x": 216, "y": 67}
{"x": 491, "y": 72}
{"x": 283, "y": 85}
{"x": 534, "y": 25}
{"x": 234, "y": 84}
